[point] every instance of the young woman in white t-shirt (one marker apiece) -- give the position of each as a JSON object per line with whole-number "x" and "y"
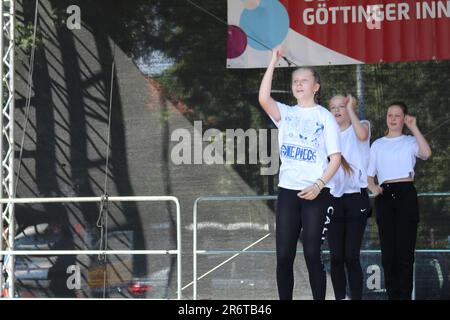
{"x": 392, "y": 160}
{"x": 351, "y": 202}
{"x": 308, "y": 134}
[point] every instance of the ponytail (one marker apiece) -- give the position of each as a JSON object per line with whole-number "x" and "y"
{"x": 346, "y": 166}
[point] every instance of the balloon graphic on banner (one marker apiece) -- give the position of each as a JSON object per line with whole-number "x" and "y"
{"x": 266, "y": 23}
{"x": 324, "y": 32}
{"x": 236, "y": 42}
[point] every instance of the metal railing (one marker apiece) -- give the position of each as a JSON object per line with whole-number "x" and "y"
{"x": 194, "y": 227}
{"x": 246, "y": 250}
{"x": 103, "y": 252}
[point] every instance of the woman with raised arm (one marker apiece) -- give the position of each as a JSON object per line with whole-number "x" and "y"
{"x": 310, "y": 155}
{"x": 392, "y": 161}
{"x": 351, "y": 205}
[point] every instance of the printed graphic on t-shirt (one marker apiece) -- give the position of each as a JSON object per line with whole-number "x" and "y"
{"x": 302, "y": 139}
{"x": 294, "y": 152}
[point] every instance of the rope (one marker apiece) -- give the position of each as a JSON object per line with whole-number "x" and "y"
{"x": 102, "y": 221}
{"x": 109, "y": 121}
{"x": 437, "y": 127}
{"x": 288, "y": 61}
{"x": 28, "y": 99}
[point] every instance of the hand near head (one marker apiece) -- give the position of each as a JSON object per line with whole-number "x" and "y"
{"x": 410, "y": 122}
{"x": 351, "y": 102}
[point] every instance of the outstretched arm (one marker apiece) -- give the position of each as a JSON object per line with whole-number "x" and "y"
{"x": 267, "y": 102}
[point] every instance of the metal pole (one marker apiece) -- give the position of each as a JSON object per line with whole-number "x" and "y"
{"x": 179, "y": 266}
{"x": 360, "y": 91}
{"x": 86, "y": 252}
{"x": 194, "y": 249}
{"x": 89, "y": 199}
{"x": 11, "y": 71}
{"x": 414, "y": 279}
{"x": 7, "y": 139}
{"x": 1, "y": 147}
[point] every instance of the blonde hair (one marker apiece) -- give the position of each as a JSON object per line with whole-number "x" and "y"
{"x": 344, "y": 163}
{"x": 316, "y": 76}
{"x": 346, "y": 166}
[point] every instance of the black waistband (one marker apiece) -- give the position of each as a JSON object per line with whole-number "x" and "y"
{"x": 397, "y": 184}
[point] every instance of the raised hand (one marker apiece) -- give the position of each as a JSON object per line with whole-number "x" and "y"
{"x": 351, "y": 102}
{"x": 410, "y": 122}
{"x": 277, "y": 53}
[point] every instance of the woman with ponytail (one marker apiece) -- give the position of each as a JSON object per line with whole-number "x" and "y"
{"x": 308, "y": 136}
{"x": 351, "y": 201}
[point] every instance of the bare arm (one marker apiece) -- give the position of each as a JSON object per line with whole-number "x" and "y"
{"x": 424, "y": 147}
{"x": 313, "y": 191}
{"x": 373, "y": 187}
{"x": 333, "y": 166}
{"x": 361, "y": 129}
{"x": 267, "y": 102}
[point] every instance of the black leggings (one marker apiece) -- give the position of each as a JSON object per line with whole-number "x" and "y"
{"x": 293, "y": 215}
{"x": 397, "y": 218}
{"x": 344, "y": 240}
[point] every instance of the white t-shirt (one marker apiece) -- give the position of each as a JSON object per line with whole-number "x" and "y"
{"x": 356, "y": 152}
{"x": 306, "y": 137}
{"x": 393, "y": 158}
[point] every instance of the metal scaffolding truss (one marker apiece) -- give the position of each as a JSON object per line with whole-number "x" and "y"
{"x": 7, "y": 38}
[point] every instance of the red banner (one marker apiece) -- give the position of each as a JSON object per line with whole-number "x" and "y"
{"x": 320, "y": 32}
